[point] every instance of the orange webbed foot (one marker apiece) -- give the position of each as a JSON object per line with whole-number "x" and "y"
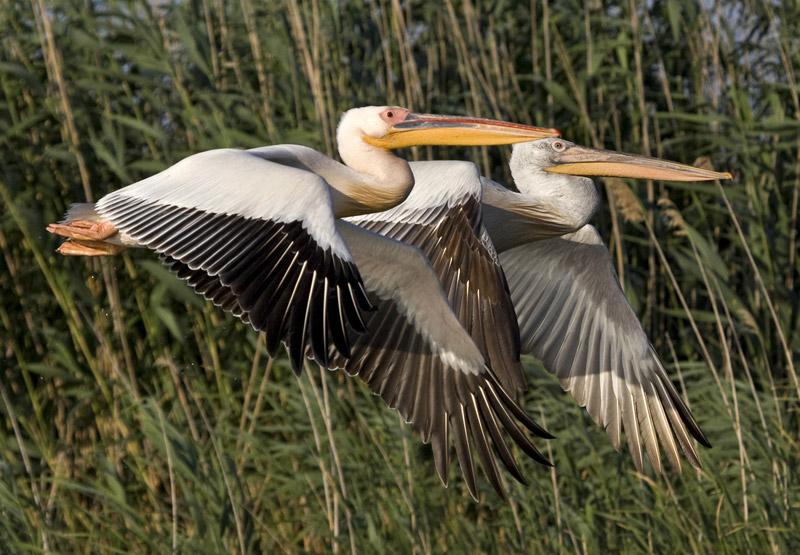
{"x": 84, "y": 229}
{"x": 85, "y": 247}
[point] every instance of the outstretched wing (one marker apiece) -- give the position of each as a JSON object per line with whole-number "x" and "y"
{"x": 442, "y": 217}
{"x": 574, "y": 317}
{"x": 420, "y": 360}
{"x": 257, "y": 238}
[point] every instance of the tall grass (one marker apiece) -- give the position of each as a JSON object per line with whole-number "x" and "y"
{"x": 137, "y": 417}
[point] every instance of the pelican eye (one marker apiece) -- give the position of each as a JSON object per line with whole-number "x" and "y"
{"x": 559, "y": 146}
{"x": 394, "y": 115}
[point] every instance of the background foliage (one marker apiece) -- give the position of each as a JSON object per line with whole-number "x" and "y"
{"x": 136, "y": 417}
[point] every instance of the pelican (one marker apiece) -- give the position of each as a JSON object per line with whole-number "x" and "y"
{"x": 259, "y": 233}
{"x": 533, "y": 253}
{"x": 572, "y": 312}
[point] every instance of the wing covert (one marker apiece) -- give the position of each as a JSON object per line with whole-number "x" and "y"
{"x": 420, "y": 360}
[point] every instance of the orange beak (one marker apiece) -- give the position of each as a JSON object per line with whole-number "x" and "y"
{"x": 581, "y": 160}
{"x": 432, "y": 129}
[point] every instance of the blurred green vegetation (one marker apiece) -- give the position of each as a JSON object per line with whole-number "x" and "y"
{"x": 135, "y": 417}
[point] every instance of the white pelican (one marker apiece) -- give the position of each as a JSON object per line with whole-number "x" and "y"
{"x": 570, "y": 309}
{"x": 257, "y": 233}
{"x": 401, "y": 360}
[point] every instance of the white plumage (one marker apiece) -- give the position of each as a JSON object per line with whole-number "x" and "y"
{"x": 241, "y": 183}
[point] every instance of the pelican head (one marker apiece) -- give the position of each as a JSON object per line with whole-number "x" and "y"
{"x": 366, "y": 136}
{"x": 391, "y": 127}
{"x": 556, "y": 173}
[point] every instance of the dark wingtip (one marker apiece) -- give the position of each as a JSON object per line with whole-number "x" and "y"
{"x": 686, "y": 415}
{"x": 694, "y": 427}
{"x": 296, "y": 368}
{"x": 518, "y": 476}
{"x": 481, "y": 442}
{"x": 295, "y": 350}
{"x": 544, "y": 434}
{"x": 463, "y": 452}
{"x": 440, "y": 443}
{"x": 497, "y": 439}
{"x": 272, "y": 345}
{"x": 518, "y": 411}
{"x": 701, "y": 437}
{"x": 535, "y": 454}
{"x": 338, "y": 327}
{"x": 528, "y": 422}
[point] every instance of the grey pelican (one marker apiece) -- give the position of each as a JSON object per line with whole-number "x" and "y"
{"x": 532, "y": 252}
{"x": 572, "y": 312}
{"x": 259, "y": 233}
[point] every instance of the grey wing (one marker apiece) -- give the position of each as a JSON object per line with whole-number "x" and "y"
{"x": 443, "y": 217}
{"x": 574, "y": 317}
{"x": 416, "y": 355}
{"x": 420, "y": 360}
